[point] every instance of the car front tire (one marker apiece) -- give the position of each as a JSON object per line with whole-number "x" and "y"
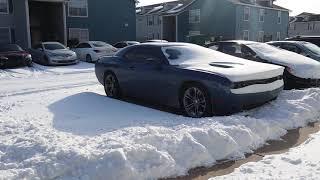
{"x": 89, "y": 58}
{"x": 195, "y": 101}
{"x": 111, "y": 86}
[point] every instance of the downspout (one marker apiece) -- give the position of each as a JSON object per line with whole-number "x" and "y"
{"x": 177, "y": 32}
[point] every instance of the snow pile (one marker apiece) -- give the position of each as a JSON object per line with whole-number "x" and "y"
{"x": 302, "y": 162}
{"x": 74, "y": 132}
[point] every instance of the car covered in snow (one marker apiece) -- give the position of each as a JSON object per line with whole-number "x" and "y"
{"x": 12, "y": 55}
{"x": 300, "y": 71}
{"x": 91, "y": 51}
{"x": 197, "y": 80}
{"x": 300, "y": 47}
{"x": 53, "y": 53}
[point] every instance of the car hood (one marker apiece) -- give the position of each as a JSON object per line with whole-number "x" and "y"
{"x": 299, "y": 65}
{"x": 235, "y": 69}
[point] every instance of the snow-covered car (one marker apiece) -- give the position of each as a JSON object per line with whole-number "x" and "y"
{"x": 300, "y": 71}
{"x": 195, "y": 79}
{"x": 123, "y": 44}
{"x": 53, "y": 53}
{"x": 301, "y": 47}
{"x": 91, "y": 51}
{"x": 12, "y": 55}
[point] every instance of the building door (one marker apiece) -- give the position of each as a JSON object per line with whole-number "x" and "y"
{"x": 47, "y": 21}
{"x": 169, "y": 28}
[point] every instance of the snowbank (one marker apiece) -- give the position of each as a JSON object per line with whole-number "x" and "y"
{"x": 74, "y": 132}
{"x": 302, "y": 162}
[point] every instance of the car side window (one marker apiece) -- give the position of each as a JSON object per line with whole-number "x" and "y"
{"x": 120, "y": 45}
{"x": 84, "y": 45}
{"x": 231, "y": 48}
{"x": 292, "y": 48}
{"x": 142, "y": 55}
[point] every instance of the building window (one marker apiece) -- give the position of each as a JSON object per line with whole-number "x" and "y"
{"x": 279, "y": 17}
{"x": 4, "y": 7}
{"x": 159, "y": 20}
{"x": 194, "y": 33}
{"x": 246, "y": 15}
{"x": 261, "y": 15}
{"x": 150, "y": 20}
{"x": 278, "y": 36}
{"x": 78, "y": 8}
{"x": 261, "y": 36}
{"x": 246, "y": 35}
{"x": 194, "y": 16}
{"x": 5, "y": 35}
{"x": 82, "y": 35}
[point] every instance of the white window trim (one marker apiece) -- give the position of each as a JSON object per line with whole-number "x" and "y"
{"x": 262, "y": 12}
{"x": 195, "y": 10}
{"x": 244, "y": 13}
{"x": 8, "y": 10}
{"x": 279, "y": 16}
{"x": 243, "y": 33}
{"x": 87, "y": 9}
{"x": 69, "y": 30}
{"x": 9, "y": 30}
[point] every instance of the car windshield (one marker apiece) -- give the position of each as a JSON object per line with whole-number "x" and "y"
{"x": 10, "y": 48}
{"x": 312, "y": 47}
{"x": 262, "y": 48}
{"x": 190, "y": 54}
{"x": 53, "y": 46}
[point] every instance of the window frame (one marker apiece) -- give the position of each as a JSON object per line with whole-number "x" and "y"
{"x": 8, "y": 9}
{"x": 243, "y": 35}
{"x": 194, "y": 13}
{"x": 244, "y": 13}
{"x": 279, "y": 17}
{"x": 259, "y": 36}
{"x": 135, "y": 50}
{"x": 9, "y": 32}
{"x": 278, "y": 37}
{"x": 262, "y": 15}
{"x": 87, "y": 10}
{"x": 80, "y": 29}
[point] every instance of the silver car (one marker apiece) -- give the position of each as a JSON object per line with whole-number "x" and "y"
{"x": 53, "y": 53}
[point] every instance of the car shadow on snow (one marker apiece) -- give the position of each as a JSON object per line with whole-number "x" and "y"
{"x": 92, "y": 114}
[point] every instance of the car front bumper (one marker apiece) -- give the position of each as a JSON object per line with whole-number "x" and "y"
{"x": 233, "y": 103}
{"x": 293, "y": 82}
{"x": 63, "y": 61}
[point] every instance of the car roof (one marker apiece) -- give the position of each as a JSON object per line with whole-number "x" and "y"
{"x": 292, "y": 42}
{"x": 163, "y": 44}
{"x": 240, "y": 42}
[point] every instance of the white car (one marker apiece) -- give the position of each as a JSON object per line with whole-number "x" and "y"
{"x": 91, "y": 51}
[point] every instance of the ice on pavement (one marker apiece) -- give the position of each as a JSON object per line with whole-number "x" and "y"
{"x": 302, "y": 162}
{"x": 61, "y": 126}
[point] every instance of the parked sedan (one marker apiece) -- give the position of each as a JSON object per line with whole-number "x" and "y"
{"x": 53, "y": 53}
{"x": 300, "y": 71}
{"x": 301, "y": 47}
{"x": 123, "y": 44}
{"x": 12, "y": 55}
{"x": 196, "y": 79}
{"x": 91, "y": 51}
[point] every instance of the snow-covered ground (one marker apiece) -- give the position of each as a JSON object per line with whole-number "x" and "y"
{"x": 302, "y": 162}
{"x": 56, "y": 123}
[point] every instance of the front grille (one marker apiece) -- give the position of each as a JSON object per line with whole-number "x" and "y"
{"x": 243, "y": 84}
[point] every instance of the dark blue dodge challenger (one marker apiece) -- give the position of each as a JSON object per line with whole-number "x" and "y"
{"x": 199, "y": 81}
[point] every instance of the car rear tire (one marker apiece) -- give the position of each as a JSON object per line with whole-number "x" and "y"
{"x": 195, "y": 101}
{"x": 89, "y": 58}
{"x": 111, "y": 86}
{"x": 46, "y": 60}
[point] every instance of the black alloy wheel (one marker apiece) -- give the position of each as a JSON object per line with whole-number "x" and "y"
{"x": 195, "y": 101}
{"x": 111, "y": 86}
